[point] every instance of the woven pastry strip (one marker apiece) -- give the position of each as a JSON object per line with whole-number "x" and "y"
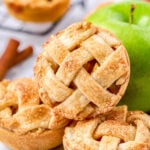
{"x": 116, "y": 130}
{"x": 83, "y": 70}
{"x": 21, "y": 109}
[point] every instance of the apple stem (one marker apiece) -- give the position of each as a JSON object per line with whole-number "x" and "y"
{"x": 133, "y": 6}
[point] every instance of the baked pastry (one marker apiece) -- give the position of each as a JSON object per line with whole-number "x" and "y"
{"x": 116, "y": 130}
{"x": 83, "y": 70}
{"x": 25, "y": 119}
{"x": 37, "y": 10}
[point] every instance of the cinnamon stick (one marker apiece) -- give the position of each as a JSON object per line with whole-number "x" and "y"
{"x": 12, "y": 56}
{"x": 8, "y": 56}
{"x": 21, "y": 56}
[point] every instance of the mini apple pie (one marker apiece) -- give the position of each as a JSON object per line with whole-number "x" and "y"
{"x": 83, "y": 70}
{"x": 116, "y": 130}
{"x": 37, "y": 10}
{"x": 26, "y": 122}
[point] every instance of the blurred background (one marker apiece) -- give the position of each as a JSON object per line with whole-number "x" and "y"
{"x": 36, "y": 33}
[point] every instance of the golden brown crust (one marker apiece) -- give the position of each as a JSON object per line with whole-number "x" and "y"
{"x": 21, "y": 109}
{"x": 25, "y": 119}
{"x": 130, "y": 133}
{"x": 3, "y": 85}
{"x": 84, "y": 70}
{"x": 37, "y": 11}
{"x": 32, "y": 141}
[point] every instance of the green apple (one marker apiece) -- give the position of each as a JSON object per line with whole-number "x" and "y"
{"x": 132, "y": 26}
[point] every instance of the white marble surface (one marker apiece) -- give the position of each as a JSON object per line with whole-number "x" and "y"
{"x": 25, "y": 69}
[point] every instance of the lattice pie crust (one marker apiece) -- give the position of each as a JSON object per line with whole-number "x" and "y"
{"x": 25, "y": 119}
{"x": 83, "y": 71}
{"x": 116, "y": 130}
